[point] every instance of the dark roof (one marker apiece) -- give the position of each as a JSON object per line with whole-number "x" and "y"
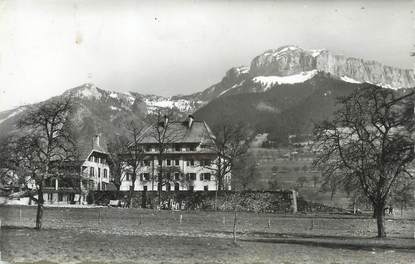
{"x": 181, "y": 132}
{"x": 86, "y": 148}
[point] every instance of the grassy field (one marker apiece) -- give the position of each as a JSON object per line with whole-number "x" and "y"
{"x": 111, "y": 235}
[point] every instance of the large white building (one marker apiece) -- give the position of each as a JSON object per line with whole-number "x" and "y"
{"x": 90, "y": 173}
{"x": 188, "y": 162}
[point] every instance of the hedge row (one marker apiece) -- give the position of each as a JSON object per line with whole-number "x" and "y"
{"x": 256, "y": 201}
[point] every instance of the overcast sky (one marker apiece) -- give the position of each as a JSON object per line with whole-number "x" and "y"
{"x": 173, "y": 47}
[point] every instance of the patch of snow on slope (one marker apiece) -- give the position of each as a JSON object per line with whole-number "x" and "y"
{"x": 115, "y": 108}
{"x": 89, "y": 91}
{"x": 12, "y": 114}
{"x": 279, "y": 52}
{"x": 268, "y": 81}
{"x": 114, "y": 95}
{"x": 242, "y": 69}
{"x": 315, "y": 53}
{"x": 222, "y": 93}
{"x": 234, "y": 86}
{"x": 130, "y": 97}
{"x": 156, "y": 103}
{"x": 349, "y": 80}
{"x": 387, "y": 86}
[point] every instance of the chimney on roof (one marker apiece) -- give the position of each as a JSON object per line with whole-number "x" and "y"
{"x": 95, "y": 141}
{"x": 190, "y": 121}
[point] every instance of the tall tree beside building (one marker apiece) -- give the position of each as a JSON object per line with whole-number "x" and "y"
{"x": 230, "y": 142}
{"x": 163, "y": 134}
{"x": 117, "y": 149}
{"x": 134, "y": 154}
{"x": 368, "y": 144}
{"x": 47, "y": 144}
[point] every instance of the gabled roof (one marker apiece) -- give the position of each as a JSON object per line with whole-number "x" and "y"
{"x": 181, "y": 132}
{"x": 87, "y": 148}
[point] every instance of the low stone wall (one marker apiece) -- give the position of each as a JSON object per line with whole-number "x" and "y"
{"x": 256, "y": 201}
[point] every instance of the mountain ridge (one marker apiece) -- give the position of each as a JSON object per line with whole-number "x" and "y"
{"x": 274, "y": 82}
{"x": 272, "y": 67}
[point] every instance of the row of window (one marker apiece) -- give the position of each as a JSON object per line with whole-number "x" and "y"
{"x": 176, "y": 176}
{"x": 176, "y": 162}
{"x": 175, "y": 147}
{"x": 177, "y": 187}
{"x": 92, "y": 172}
{"x": 97, "y": 159}
{"x": 69, "y": 197}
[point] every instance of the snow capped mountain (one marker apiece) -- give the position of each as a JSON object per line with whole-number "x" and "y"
{"x": 268, "y": 81}
{"x": 287, "y": 67}
{"x": 125, "y": 100}
{"x": 292, "y": 64}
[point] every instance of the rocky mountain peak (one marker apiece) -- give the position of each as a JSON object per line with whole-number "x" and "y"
{"x": 86, "y": 90}
{"x": 292, "y": 60}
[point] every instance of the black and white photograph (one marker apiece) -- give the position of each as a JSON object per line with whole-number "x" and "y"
{"x": 196, "y": 131}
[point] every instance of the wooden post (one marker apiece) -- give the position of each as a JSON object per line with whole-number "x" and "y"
{"x": 20, "y": 215}
{"x": 99, "y": 215}
{"x": 234, "y": 227}
{"x": 312, "y": 224}
{"x": 224, "y": 220}
{"x": 181, "y": 217}
{"x": 269, "y": 223}
{"x": 140, "y": 220}
{"x": 294, "y": 201}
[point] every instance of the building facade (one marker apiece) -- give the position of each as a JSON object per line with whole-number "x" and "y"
{"x": 90, "y": 173}
{"x": 187, "y": 164}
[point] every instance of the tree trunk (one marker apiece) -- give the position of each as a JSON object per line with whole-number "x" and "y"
{"x": 380, "y": 220}
{"x": 216, "y": 199}
{"x": 39, "y": 213}
{"x": 234, "y": 226}
{"x": 220, "y": 183}
{"x": 375, "y": 211}
{"x": 354, "y": 206}
{"x": 130, "y": 196}
{"x": 160, "y": 181}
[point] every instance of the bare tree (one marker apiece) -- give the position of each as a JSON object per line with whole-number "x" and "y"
{"x": 368, "y": 144}
{"x": 163, "y": 133}
{"x": 9, "y": 164}
{"x": 134, "y": 154}
{"x": 246, "y": 172}
{"x": 117, "y": 149}
{"x": 228, "y": 143}
{"x": 403, "y": 193}
{"x": 46, "y": 146}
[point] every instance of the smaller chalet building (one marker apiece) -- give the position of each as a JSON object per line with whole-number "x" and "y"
{"x": 90, "y": 173}
{"x": 188, "y": 162}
